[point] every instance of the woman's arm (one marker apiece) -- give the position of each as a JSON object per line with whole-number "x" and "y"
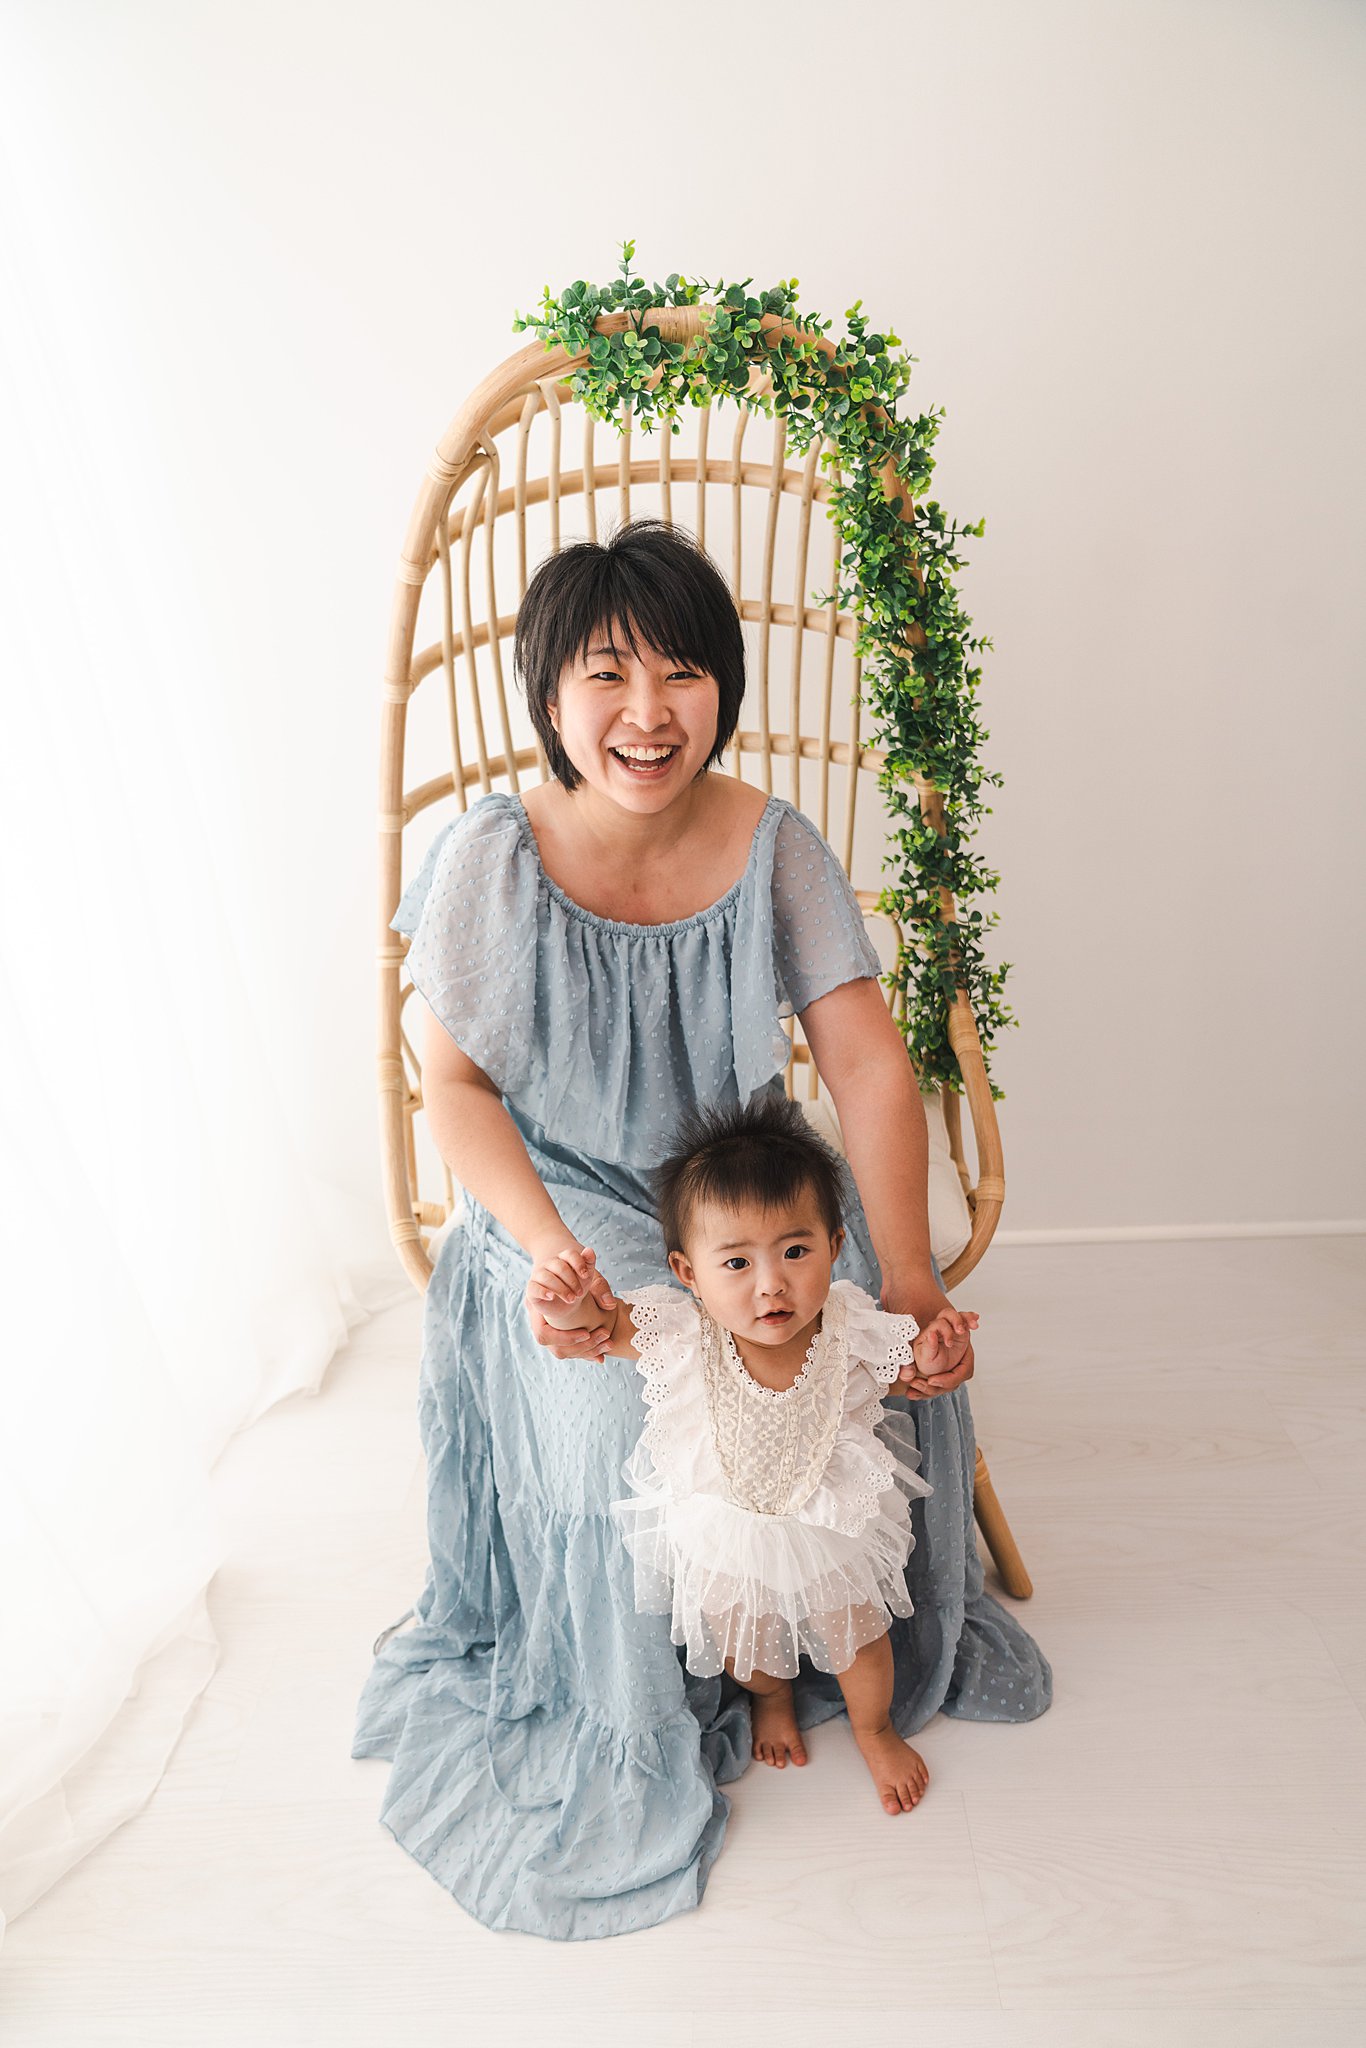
{"x": 483, "y": 1148}
{"x": 861, "y": 1057}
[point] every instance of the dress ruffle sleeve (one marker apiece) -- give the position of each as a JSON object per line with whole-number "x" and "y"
{"x": 470, "y": 916}
{"x": 880, "y": 1341}
{"x": 798, "y": 934}
{"x": 876, "y": 1448}
{"x": 819, "y": 936}
{"x": 675, "y": 1444}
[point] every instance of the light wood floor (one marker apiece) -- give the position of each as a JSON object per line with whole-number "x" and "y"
{"x": 1174, "y": 1855}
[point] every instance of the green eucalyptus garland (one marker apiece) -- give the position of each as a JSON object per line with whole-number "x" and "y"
{"x": 895, "y": 573}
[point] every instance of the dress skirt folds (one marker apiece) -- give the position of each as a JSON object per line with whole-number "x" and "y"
{"x": 553, "y": 1764}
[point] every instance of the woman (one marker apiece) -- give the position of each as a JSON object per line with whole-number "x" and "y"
{"x": 620, "y": 944}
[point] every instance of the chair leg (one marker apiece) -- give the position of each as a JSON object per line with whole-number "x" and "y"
{"x": 996, "y": 1534}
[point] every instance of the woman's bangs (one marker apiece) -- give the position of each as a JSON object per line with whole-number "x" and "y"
{"x": 636, "y": 612}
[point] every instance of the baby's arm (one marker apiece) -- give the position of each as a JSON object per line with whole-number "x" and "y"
{"x": 558, "y": 1291}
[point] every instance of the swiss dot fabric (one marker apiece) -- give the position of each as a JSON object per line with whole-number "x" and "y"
{"x": 597, "y": 1030}
{"x": 554, "y": 1766}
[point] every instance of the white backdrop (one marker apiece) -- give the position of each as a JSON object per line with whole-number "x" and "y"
{"x": 253, "y": 258}
{"x": 1123, "y": 241}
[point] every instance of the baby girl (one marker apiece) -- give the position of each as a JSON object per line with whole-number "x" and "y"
{"x": 769, "y": 1513}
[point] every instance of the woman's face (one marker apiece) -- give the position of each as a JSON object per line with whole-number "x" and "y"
{"x": 638, "y": 727}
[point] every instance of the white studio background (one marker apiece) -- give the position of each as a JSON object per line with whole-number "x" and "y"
{"x": 1122, "y": 241}
{"x": 263, "y": 251}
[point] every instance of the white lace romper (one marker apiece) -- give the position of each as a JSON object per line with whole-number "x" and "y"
{"x": 770, "y": 1524}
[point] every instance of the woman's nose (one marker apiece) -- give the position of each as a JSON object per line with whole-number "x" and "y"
{"x": 646, "y": 705}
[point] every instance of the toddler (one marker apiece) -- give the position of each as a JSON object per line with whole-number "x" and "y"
{"x": 769, "y": 1510}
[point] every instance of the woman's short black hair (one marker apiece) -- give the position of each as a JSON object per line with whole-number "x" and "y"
{"x": 764, "y": 1152}
{"x": 651, "y": 583}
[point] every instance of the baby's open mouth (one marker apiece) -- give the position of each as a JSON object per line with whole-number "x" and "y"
{"x": 643, "y": 761}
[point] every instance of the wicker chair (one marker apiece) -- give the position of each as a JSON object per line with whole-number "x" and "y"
{"x": 519, "y": 458}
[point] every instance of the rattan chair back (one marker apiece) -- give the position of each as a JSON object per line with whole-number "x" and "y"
{"x": 522, "y": 471}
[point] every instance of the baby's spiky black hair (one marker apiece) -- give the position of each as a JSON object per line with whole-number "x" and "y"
{"x": 762, "y": 1152}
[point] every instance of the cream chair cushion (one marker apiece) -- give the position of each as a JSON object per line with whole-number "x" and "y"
{"x": 950, "y": 1218}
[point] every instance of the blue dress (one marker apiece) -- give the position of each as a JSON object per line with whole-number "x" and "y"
{"x": 554, "y": 1766}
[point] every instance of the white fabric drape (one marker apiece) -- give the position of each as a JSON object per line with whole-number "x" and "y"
{"x": 163, "y": 1282}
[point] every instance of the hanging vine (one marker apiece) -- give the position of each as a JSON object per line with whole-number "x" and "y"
{"x": 896, "y": 574}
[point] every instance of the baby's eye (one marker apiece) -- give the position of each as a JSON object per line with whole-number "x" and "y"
{"x": 736, "y": 1265}
{"x": 796, "y": 1251}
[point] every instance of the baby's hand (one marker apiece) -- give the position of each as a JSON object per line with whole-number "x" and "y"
{"x": 939, "y": 1346}
{"x": 562, "y": 1283}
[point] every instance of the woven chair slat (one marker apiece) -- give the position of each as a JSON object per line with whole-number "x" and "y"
{"x": 552, "y": 482}
{"x": 703, "y": 475}
{"x": 766, "y": 593}
{"x": 852, "y": 781}
{"x": 495, "y": 645}
{"x": 589, "y": 473}
{"x": 624, "y": 468}
{"x": 794, "y": 688}
{"x": 832, "y": 626}
{"x": 530, "y": 407}
{"x": 467, "y": 615}
{"x": 448, "y": 663}
{"x": 666, "y": 473}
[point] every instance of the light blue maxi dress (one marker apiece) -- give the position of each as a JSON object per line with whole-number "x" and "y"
{"x": 554, "y": 1766}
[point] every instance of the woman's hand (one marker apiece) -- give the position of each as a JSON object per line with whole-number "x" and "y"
{"x": 926, "y": 1301}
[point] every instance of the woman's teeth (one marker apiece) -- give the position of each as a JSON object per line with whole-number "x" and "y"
{"x": 643, "y": 759}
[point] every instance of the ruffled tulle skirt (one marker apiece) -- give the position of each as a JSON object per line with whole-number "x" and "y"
{"x": 759, "y": 1591}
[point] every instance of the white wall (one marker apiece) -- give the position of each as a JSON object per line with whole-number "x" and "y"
{"x": 1124, "y": 243}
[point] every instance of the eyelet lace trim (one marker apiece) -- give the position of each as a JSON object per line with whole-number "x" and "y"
{"x": 773, "y": 1393}
{"x": 900, "y": 1352}
{"x": 652, "y": 1347}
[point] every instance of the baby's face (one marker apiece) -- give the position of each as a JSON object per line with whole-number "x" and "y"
{"x": 763, "y": 1274}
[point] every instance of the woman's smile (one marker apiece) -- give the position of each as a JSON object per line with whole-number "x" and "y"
{"x": 644, "y": 764}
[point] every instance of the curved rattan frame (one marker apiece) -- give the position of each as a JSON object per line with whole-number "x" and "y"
{"x": 532, "y": 380}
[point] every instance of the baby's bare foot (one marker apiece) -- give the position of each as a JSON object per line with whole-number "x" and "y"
{"x": 897, "y": 1770}
{"x": 775, "y": 1728}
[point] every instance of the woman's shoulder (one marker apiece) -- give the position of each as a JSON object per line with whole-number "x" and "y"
{"x": 496, "y": 818}
{"x": 484, "y": 845}
{"x": 797, "y": 838}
